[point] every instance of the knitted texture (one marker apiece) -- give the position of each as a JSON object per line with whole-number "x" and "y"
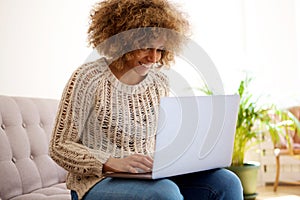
{"x": 100, "y": 117}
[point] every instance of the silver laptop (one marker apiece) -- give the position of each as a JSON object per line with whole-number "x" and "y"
{"x": 195, "y": 133}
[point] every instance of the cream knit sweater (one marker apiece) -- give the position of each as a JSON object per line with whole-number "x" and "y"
{"x": 100, "y": 117}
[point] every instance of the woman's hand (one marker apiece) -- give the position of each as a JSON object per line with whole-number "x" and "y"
{"x": 133, "y": 164}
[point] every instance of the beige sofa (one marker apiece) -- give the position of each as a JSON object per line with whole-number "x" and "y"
{"x": 26, "y": 170}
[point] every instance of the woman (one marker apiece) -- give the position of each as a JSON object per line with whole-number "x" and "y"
{"x": 107, "y": 117}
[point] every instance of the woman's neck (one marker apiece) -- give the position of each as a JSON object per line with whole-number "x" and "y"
{"x": 129, "y": 77}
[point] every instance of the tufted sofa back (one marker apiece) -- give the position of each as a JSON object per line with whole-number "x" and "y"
{"x": 25, "y": 129}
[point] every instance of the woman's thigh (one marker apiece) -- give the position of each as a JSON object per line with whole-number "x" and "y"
{"x": 212, "y": 184}
{"x": 115, "y": 188}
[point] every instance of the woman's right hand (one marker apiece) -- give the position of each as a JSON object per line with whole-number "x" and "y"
{"x": 132, "y": 164}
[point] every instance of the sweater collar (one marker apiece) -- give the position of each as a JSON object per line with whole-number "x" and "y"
{"x": 148, "y": 81}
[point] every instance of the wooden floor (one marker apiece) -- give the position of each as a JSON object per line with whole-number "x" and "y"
{"x": 284, "y": 192}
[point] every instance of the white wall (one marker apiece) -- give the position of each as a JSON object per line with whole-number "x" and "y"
{"x": 271, "y": 48}
{"x": 259, "y": 37}
{"x": 43, "y": 41}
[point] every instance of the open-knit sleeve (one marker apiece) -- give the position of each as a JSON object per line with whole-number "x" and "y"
{"x": 76, "y": 103}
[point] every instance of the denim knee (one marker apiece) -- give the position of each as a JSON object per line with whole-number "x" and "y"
{"x": 163, "y": 189}
{"x": 232, "y": 186}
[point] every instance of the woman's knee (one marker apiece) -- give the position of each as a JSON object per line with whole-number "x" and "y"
{"x": 231, "y": 185}
{"x": 231, "y": 178}
{"x": 163, "y": 189}
{"x": 213, "y": 184}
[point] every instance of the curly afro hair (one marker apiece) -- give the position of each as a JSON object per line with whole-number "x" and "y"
{"x": 142, "y": 21}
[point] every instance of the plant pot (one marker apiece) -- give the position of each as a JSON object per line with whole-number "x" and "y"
{"x": 248, "y": 176}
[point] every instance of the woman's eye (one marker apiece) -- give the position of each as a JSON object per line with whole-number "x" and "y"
{"x": 146, "y": 49}
{"x": 152, "y": 49}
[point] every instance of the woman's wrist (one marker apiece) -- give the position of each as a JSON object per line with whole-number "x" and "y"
{"x": 106, "y": 166}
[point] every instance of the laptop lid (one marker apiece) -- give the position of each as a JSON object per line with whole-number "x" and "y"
{"x": 195, "y": 133}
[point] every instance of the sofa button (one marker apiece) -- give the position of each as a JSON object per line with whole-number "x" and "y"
{"x": 13, "y": 159}
{"x": 41, "y": 124}
{"x": 24, "y": 125}
{"x": 31, "y": 157}
{"x": 3, "y": 126}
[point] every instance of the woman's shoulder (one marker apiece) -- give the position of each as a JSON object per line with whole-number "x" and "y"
{"x": 88, "y": 73}
{"x": 96, "y": 66}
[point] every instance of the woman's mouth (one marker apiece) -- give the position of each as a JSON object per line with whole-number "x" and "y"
{"x": 148, "y": 66}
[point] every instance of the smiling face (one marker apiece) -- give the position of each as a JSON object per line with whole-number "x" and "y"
{"x": 144, "y": 60}
{"x": 135, "y": 69}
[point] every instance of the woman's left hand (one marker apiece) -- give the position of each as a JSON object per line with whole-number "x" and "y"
{"x": 134, "y": 164}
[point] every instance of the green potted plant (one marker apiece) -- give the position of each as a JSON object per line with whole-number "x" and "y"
{"x": 251, "y": 118}
{"x": 253, "y": 121}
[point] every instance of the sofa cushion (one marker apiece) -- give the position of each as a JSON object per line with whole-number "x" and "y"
{"x": 55, "y": 192}
{"x": 25, "y": 166}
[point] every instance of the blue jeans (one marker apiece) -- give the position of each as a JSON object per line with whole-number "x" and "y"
{"x": 213, "y": 184}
